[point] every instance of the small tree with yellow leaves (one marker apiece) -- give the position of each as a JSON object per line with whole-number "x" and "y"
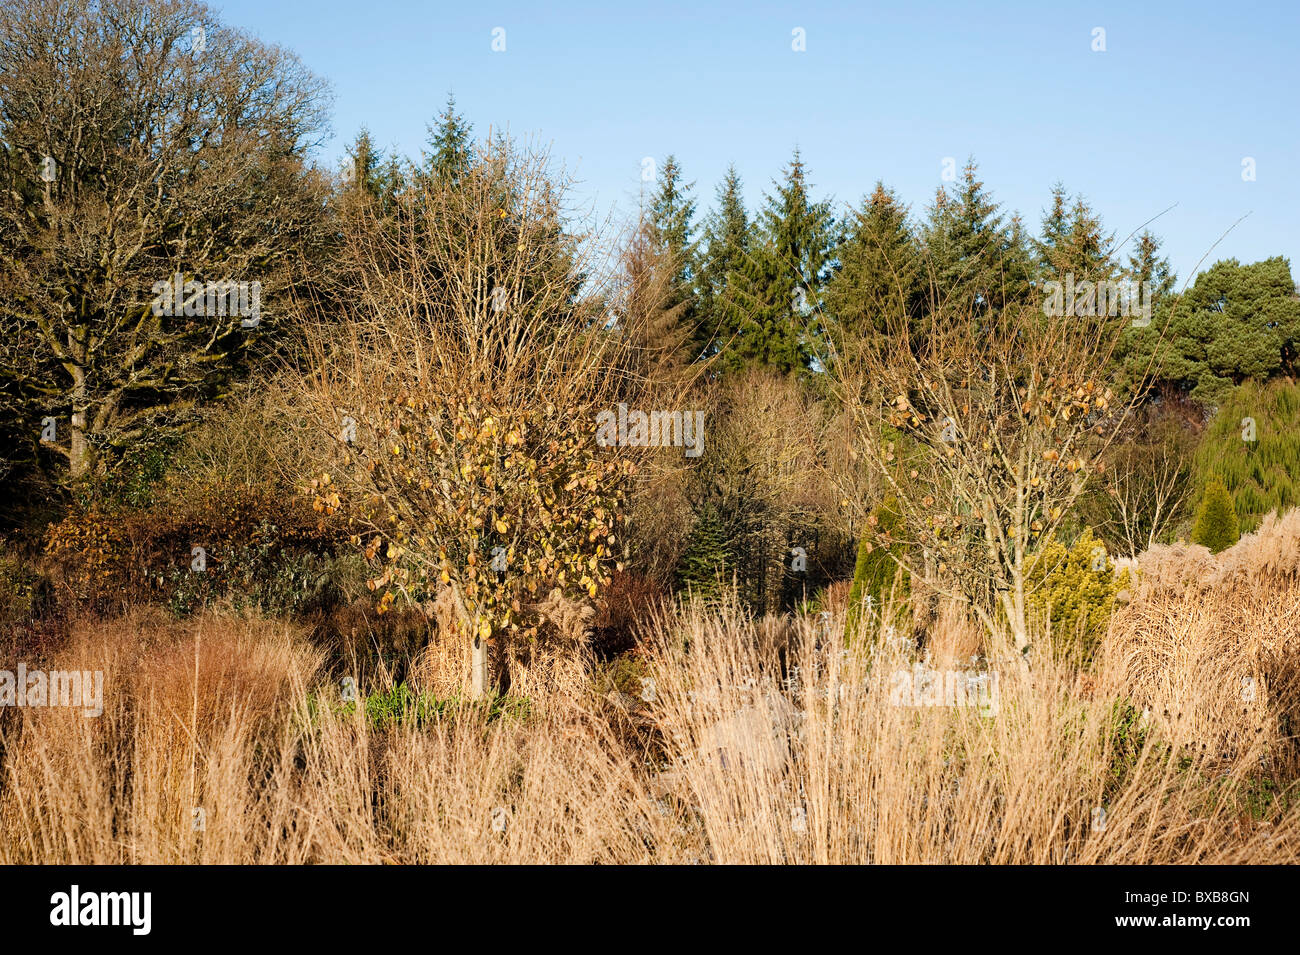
{"x": 460, "y": 394}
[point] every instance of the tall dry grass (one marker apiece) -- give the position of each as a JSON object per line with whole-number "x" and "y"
{"x": 748, "y": 742}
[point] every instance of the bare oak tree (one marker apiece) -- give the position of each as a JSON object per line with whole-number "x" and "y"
{"x": 140, "y": 140}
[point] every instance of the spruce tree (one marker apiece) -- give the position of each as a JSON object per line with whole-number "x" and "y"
{"x": 671, "y": 213}
{"x": 727, "y": 235}
{"x": 450, "y": 153}
{"x": 669, "y": 232}
{"x": 1146, "y": 264}
{"x": 780, "y": 287}
{"x": 1055, "y": 233}
{"x": 703, "y": 568}
{"x": 879, "y": 271}
{"x": 975, "y": 261}
{"x": 370, "y": 175}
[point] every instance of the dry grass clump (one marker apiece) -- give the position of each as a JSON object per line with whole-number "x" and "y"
{"x": 194, "y": 716}
{"x": 832, "y": 768}
{"x": 1211, "y": 645}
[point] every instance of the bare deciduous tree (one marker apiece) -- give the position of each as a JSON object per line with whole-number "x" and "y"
{"x": 139, "y": 140}
{"x": 984, "y": 430}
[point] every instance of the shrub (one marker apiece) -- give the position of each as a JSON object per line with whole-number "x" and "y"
{"x": 1073, "y": 588}
{"x": 1216, "y": 519}
{"x": 703, "y": 570}
{"x": 1252, "y": 444}
{"x": 259, "y": 548}
{"x": 874, "y": 573}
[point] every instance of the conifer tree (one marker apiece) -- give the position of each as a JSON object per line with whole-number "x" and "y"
{"x": 703, "y": 568}
{"x": 784, "y": 276}
{"x": 1146, "y": 264}
{"x": 1055, "y": 233}
{"x": 1216, "y": 519}
{"x": 727, "y": 234}
{"x": 1253, "y": 445}
{"x": 975, "y": 260}
{"x": 671, "y": 249}
{"x": 451, "y": 142}
{"x": 1237, "y": 323}
{"x": 879, "y": 266}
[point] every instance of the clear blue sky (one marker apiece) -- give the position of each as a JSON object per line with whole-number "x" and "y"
{"x": 1183, "y": 92}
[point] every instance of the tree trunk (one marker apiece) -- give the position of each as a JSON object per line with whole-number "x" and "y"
{"x": 479, "y": 681}
{"x": 80, "y": 454}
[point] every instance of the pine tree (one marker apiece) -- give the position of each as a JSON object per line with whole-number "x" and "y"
{"x": 1237, "y": 323}
{"x": 1216, "y": 519}
{"x": 671, "y": 213}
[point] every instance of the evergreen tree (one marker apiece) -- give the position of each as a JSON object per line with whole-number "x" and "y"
{"x": 703, "y": 568}
{"x": 450, "y": 155}
{"x": 975, "y": 260}
{"x": 1253, "y": 445}
{"x": 781, "y": 284}
{"x": 669, "y": 233}
{"x": 671, "y": 213}
{"x": 879, "y": 271}
{"x": 1073, "y": 241}
{"x": 1237, "y": 323}
{"x": 1146, "y": 264}
{"x": 1216, "y": 519}
{"x": 1055, "y": 233}
{"x": 727, "y": 235}
{"x": 371, "y": 176}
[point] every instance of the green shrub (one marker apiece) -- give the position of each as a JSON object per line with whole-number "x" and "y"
{"x": 1260, "y": 474}
{"x": 703, "y": 569}
{"x": 1216, "y": 519}
{"x": 875, "y": 570}
{"x": 1074, "y": 588}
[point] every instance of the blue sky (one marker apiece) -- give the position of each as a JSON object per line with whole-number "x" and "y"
{"x": 1182, "y": 94}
